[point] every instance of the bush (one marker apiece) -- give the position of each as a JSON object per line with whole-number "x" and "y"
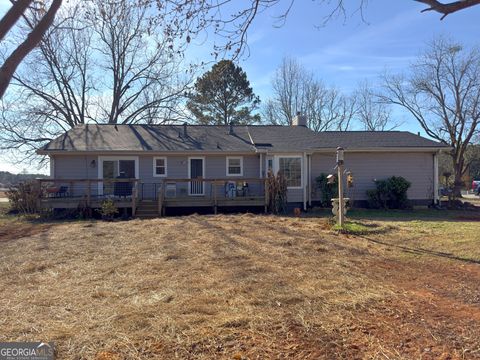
{"x": 277, "y": 193}
{"x": 390, "y": 193}
{"x": 108, "y": 210}
{"x": 23, "y": 198}
{"x": 328, "y": 191}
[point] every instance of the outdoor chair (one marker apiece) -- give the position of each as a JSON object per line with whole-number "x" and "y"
{"x": 122, "y": 189}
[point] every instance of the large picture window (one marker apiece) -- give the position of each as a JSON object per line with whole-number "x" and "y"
{"x": 235, "y": 166}
{"x": 160, "y": 166}
{"x": 291, "y": 168}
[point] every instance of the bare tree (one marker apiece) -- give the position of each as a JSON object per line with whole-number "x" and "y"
{"x": 442, "y": 92}
{"x": 144, "y": 73}
{"x": 371, "y": 113}
{"x": 187, "y": 19}
{"x": 296, "y": 90}
{"x": 105, "y": 65}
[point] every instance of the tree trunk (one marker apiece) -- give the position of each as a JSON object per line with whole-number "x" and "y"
{"x": 33, "y": 39}
{"x": 12, "y": 16}
{"x": 458, "y": 183}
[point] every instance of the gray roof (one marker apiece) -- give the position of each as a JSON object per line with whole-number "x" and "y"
{"x": 373, "y": 139}
{"x": 210, "y": 138}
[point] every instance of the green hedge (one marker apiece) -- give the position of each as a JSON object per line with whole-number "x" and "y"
{"x": 390, "y": 193}
{"x": 328, "y": 191}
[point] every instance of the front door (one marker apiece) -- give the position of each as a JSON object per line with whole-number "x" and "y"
{"x": 196, "y": 171}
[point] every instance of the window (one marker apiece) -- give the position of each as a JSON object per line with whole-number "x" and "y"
{"x": 291, "y": 168}
{"x": 235, "y": 166}
{"x": 159, "y": 166}
{"x": 270, "y": 165}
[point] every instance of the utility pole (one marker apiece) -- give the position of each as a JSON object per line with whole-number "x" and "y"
{"x": 341, "y": 203}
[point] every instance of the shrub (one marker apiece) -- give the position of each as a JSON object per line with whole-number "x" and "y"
{"x": 277, "y": 193}
{"x": 390, "y": 193}
{"x": 23, "y": 197}
{"x": 328, "y": 191}
{"x": 108, "y": 210}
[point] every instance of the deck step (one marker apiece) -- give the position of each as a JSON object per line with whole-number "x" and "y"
{"x": 147, "y": 209}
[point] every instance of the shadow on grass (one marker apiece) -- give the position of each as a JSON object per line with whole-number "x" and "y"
{"x": 421, "y": 251}
{"x": 404, "y": 215}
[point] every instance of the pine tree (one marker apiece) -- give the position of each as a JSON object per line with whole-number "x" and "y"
{"x": 223, "y": 95}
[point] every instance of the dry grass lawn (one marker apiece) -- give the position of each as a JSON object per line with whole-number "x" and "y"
{"x": 244, "y": 287}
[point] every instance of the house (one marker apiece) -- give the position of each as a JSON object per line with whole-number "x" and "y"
{"x": 197, "y": 165}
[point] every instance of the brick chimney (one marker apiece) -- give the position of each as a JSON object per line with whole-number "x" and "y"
{"x": 299, "y": 120}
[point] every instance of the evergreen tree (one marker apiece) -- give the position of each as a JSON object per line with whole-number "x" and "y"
{"x": 223, "y": 95}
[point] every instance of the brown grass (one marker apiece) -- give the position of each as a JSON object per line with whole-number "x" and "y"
{"x": 242, "y": 287}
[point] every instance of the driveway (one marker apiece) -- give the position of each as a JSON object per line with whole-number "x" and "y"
{"x": 471, "y": 196}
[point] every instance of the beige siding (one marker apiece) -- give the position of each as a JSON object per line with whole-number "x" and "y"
{"x": 415, "y": 167}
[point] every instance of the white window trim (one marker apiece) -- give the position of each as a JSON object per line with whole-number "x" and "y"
{"x": 276, "y": 165}
{"x": 155, "y": 158}
{"x": 100, "y": 161}
{"x": 241, "y": 165}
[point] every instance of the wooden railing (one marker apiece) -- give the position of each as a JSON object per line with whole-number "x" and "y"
{"x": 256, "y": 189}
{"x": 215, "y": 192}
{"x": 86, "y": 189}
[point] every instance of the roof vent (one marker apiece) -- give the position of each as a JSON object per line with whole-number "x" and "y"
{"x": 299, "y": 120}
{"x": 185, "y": 129}
{"x": 230, "y": 131}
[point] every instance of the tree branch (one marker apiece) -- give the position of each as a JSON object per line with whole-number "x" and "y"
{"x": 33, "y": 39}
{"x": 448, "y": 8}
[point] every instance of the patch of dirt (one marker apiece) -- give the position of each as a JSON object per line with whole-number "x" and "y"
{"x": 16, "y": 230}
{"x": 435, "y": 313}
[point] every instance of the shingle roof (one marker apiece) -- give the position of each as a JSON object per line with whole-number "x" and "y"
{"x": 151, "y": 138}
{"x": 207, "y": 138}
{"x": 372, "y": 139}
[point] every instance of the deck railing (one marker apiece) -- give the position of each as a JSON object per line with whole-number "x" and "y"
{"x": 178, "y": 192}
{"x": 168, "y": 192}
{"x": 89, "y": 192}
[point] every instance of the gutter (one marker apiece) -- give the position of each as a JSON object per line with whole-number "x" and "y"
{"x": 140, "y": 152}
{"x": 386, "y": 149}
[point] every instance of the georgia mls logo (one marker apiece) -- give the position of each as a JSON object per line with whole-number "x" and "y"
{"x": 27, "y": 351}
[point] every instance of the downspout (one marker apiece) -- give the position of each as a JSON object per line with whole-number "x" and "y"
{"x": 52, "y": 167}
{"x": 309, "y": 180}
{"x": 436, "y": 199}
{"x": 261, "y": 166}
{"x": 305, "y": 184}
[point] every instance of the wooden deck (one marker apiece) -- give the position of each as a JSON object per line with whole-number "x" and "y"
{"x": 83, "y": 193}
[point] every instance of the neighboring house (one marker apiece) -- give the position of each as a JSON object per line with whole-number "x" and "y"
{"x": 232, "y": 162}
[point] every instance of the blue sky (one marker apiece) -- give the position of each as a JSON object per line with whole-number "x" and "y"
{"x": 343, "y": 52}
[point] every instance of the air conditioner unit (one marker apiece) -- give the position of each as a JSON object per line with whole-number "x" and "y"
{"x": 170, "y": 190}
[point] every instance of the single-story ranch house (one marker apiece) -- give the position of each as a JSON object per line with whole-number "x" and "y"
{"x": 152, "y": 167}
